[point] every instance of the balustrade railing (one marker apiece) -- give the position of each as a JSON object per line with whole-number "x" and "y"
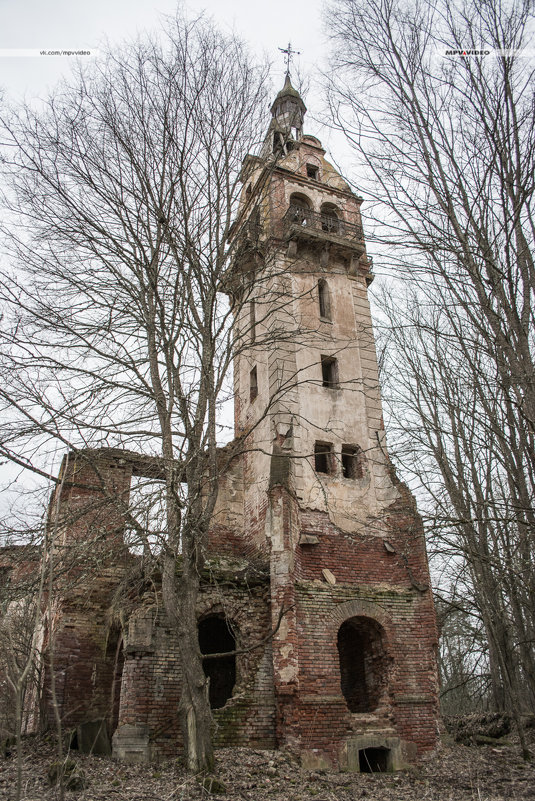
{"x": 318, "y": 222}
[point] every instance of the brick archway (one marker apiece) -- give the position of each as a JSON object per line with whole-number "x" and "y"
{"x": 362, "y": 608}
{"x": 362, "y": 632}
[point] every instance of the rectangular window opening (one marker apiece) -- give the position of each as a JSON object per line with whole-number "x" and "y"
{"x": 252, "y": 321}
{"x": 253, "y": 384}
{"x": 312, "y": 171}
{"x": 324, "y": 301}
{"x": 329, "y": 372}
{"x": 323, "y": 457}
{"x": 147, "y": 505}
{"x": 351, "y": 462}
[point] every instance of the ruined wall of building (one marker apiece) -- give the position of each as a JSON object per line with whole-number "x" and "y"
{"x": 148, "y": 726}
{"x": 90, "y": 560}
{"x": 114, "y": 657}
{"x": 343, "y": 578}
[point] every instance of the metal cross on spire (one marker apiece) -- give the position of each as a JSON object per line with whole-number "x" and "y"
{"x": 289, "y": 53}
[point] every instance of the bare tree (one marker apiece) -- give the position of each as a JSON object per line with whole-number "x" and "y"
{"x": 449, "y": 147}
{"x": 21, "y": 593}
{"x": 121, "y": 193}
{"x": 455, "y": 435}
{"x": 462, "y": 659}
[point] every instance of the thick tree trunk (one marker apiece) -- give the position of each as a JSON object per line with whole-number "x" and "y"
{"x": 180, "y": 600}
{"x": 194, "y": 707}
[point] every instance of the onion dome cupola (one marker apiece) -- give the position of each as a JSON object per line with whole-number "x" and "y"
{"x": 286, "y": 127}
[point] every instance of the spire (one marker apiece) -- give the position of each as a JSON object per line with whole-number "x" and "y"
{"x": 286, "y": 127}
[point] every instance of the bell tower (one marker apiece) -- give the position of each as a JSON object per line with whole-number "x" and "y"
{"x": 355, "y": 634}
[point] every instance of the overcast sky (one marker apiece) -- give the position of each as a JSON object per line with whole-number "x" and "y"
{"x": 27, "y": 25}
{"x": 84, "y": 24}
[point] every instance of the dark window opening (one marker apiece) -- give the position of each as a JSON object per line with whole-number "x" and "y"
{"x": 299, "y": 209}
{"x": 329, "y": 372}
{"x": 363, "y": 663}
{"x": 5, "y": 576}
{"x": 324, "y": 299}
{"x": 248, "y": 190}
{"x": 374, "y": 760}
{"x": 278, "y": 142}
{"x": 215, "y": 637}
{"x": 254, "y": 224}
{"x": 323, "y": 458}
{"x": 253, "y": 384}
{"x": 352, "y": 462}
{"x": 312, "y": 171}
{"x": 252, "y": 321}
{"x": 329, "y": 219}
{"x": 115, "y": 649}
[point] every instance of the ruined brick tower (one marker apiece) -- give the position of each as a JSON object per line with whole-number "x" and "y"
{"x": 313, "y": 536}
{"x": 354, "y": 658}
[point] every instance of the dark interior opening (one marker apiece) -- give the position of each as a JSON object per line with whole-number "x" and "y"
{"x": 374, "y": 760}
{"x": 116, "y": 685}
{"x": 252, "y": 320}
{"x": 215, "y": 637}
{"x": 299, "y": 209}
{"x": 352, "y": 462}
{"x": 253, "y": 384}
{"x": 329, "y": 372}
{"x": 322, "y": 457}
{"x": 363, "y": 663}
{"x": 278, "y": 142}
{"x": 329, "y": 219}
{"x": 312, "y": 171}
{"x": 324, "y": 300}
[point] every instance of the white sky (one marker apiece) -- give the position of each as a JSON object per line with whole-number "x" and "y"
{"x": 87, "y": 24}
{"x": 84, "y": 24}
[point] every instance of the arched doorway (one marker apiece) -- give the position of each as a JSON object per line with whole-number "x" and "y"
{"x": 299, "y": 208}
{"x": 363, "y": 663}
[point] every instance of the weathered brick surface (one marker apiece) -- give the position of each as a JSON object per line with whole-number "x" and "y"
{"x": 152, "y": 673}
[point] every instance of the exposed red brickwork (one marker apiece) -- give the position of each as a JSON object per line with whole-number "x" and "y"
{"x": 152, "y": 674}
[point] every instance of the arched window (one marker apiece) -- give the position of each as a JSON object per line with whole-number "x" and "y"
{"x": 363, "y": 663}
{"x": 278, "y": 143}
{"x": 253, "y": 384}
{"x": 330, "y": 221}
{"x": 215, "y": 637}
{"x": 324, "y": 299}
{"x": 299, "y": 208}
